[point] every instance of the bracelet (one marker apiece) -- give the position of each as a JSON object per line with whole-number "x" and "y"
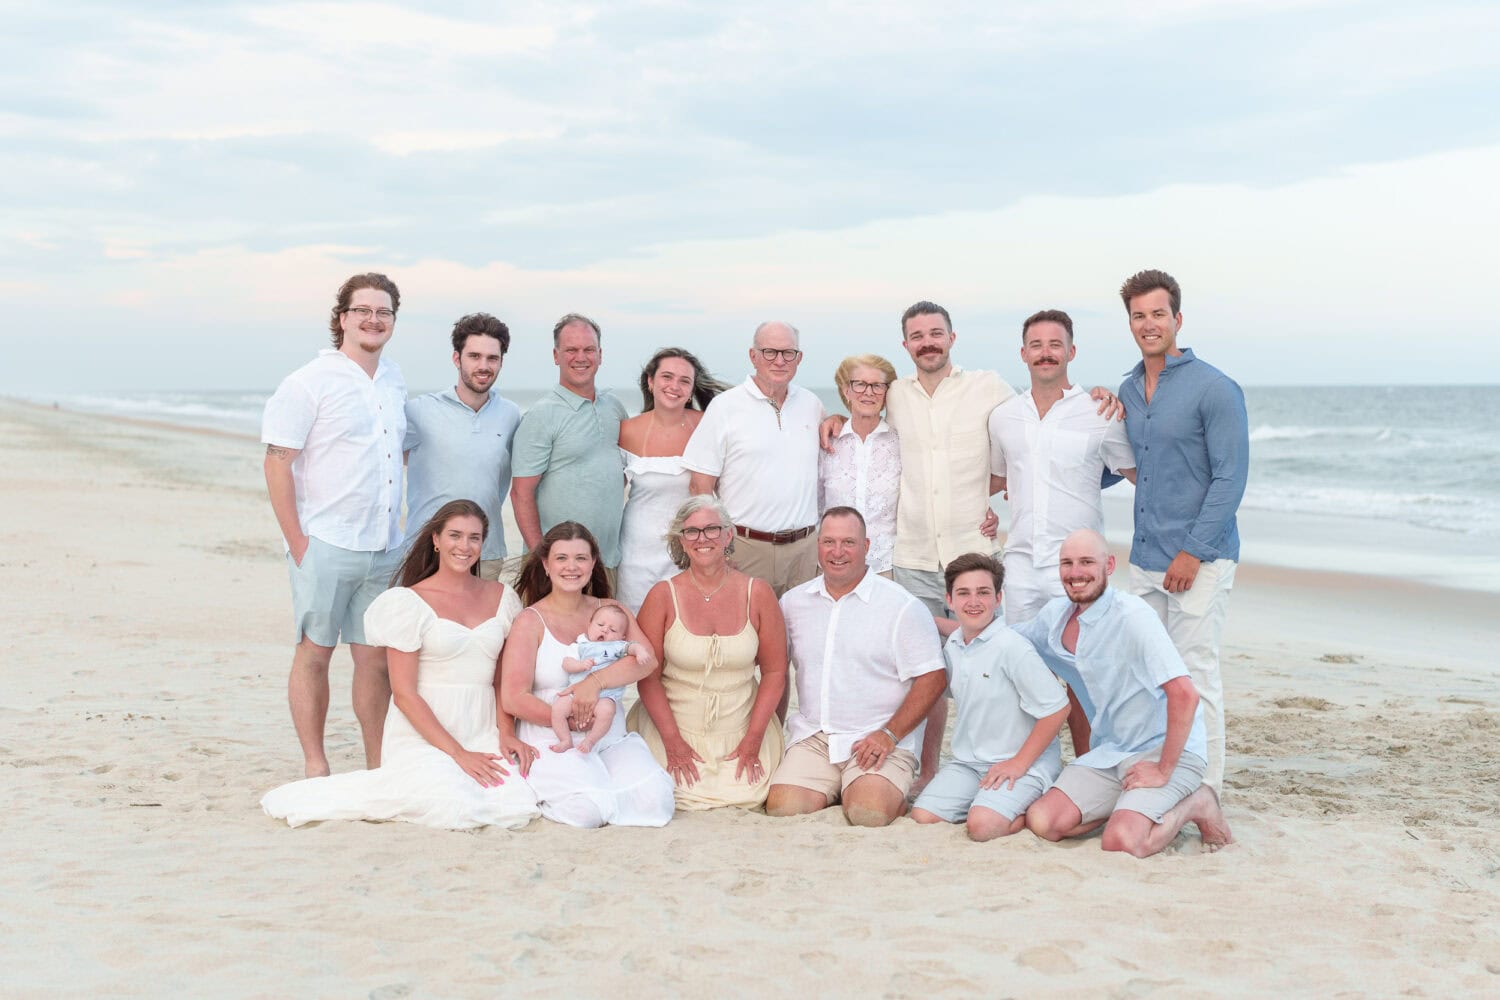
{"x": 887, "y": 731}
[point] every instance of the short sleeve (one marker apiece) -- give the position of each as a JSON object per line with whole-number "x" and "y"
{"x": 705, "y": 449}
{"x": 997, "y": 447}
{"x": 289, "y": 414}
{"x": 395, "y": 620}
{"x": 1155, "y": 659}
{"x": 1116, "y": 448}
{"x": 916, "y": 642}
{"x": 531, "y": 451}
{"x": 413, "y": 426}
{"x": 1038, "y": 688}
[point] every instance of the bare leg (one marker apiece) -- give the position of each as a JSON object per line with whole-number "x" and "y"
{"x": 561, "y": 709}
{"x": 1135, "y": 834}
{"x": 924, "y": 817}
{"x": 307, "y": 693}
{"x": 1054, "y": 817}
{"x": 794, "y": 800}
{"x": 871, "y": 800}
{"x": 372, "y": 697}
{"x": 986, "y": 824}
{"x": 604, "y": 714}
{"x": 932, "y": 746}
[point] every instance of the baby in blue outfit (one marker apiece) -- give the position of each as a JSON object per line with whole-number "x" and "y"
{"x": 603, "y": 644}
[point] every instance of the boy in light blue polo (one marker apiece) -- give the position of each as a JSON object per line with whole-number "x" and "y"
{"x": 1009, "y": 711}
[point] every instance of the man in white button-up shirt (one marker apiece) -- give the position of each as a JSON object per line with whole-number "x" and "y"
{"x": 868, "y": 669}
{"x": 333, "y": 433}
{"x": 1048, "y": 451}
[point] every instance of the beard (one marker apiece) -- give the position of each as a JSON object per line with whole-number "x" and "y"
{"x": 1091, "y": 593}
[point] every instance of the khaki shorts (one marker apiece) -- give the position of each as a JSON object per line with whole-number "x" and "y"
{"x": 1096, "y": 791}
{"x": 781, "y": 566}
{"x": 806, "y": 765}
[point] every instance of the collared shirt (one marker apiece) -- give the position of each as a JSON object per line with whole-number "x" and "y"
{"x": 1052, "y": 467}
{"x": 348, "y": 428}
{"x": 1192, "y": 457}
{"x": 457, "y": 453}
{"x": 766, "y": 459}
{"x": 1124, "y": 657}
{"x": 1000, "y": 687}
{"x": 855, "y": 659}
{"x": 945, "y": 465}
{"x": 866, "y": 475}
{"x": 573, "y": 444}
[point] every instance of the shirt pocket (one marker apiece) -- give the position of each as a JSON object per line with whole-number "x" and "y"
{"x": 1071, "y": 448}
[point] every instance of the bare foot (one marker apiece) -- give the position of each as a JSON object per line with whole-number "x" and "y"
{"x": 585, "y": 745}
{"x": 318, "y": 769}
{"x": 1204, "y": 811}
{"x": 562, "y": 747}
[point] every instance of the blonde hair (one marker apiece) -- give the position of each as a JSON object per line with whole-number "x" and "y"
{"x": 853, "y": 361}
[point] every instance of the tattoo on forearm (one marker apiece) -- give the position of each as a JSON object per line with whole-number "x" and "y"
{"x": 278, "y": 452}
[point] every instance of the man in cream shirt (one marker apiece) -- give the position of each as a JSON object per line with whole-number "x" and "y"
{"x": 868, "y": 670}
{"x": 1048, "y": 451}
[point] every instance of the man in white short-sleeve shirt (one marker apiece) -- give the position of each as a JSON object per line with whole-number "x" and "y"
{"x": 868, "y": 669}
{"x": 1136, "y": 723}
{"x": 757, "y": 448}
{"x": 333, "y": 433}
{"x": 1049, "y": 449}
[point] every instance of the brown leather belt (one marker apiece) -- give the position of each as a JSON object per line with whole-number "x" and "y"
{"x": 775, "y": 537}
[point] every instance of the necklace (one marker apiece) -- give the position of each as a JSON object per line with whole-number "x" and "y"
{"x": 707, "y": 595}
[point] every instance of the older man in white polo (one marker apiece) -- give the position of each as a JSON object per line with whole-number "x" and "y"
{"x": 757, "y": 448}
{"x": 868, "y": 669}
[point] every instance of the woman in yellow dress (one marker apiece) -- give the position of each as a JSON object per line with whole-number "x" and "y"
{"x": 703, "y": 714}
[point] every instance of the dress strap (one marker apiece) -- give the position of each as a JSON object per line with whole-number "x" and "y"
{"x": 672, "y": 589}
{"x": 749, "y": 586}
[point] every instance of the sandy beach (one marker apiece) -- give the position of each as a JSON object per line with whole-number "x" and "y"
{"x": 145, "y": 649}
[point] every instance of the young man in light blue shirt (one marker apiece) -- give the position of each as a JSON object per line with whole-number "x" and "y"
{"x": 1188, "y": 428}
{"x": 1136, "y": 725}
{"x": 458, "y": 441}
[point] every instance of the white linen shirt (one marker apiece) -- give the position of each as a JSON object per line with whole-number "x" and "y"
{"x": 866, "y": 475}
{"x": 945, "y": 465}
{"x": 1052, "y": 467}
{"x": 766, "y": 460}
{"x": 349, "y": 429}
{"x": 1000, "y": 687}
{"x": 855, "y": 659}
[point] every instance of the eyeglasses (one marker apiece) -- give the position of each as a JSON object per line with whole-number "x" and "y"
{"x": 788, "y": 355}
{"x": 365, "y": 312}
{"x": 859, "y": 385}
{"x": 712, "y": 533}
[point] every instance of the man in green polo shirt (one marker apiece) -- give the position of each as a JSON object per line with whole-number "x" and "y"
{"x": 566, "y": 461}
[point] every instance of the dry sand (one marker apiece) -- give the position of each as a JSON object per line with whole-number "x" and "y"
{"x": 142, "y": 715}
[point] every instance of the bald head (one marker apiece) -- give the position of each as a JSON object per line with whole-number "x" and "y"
{"x": 1086, "y": 540}
{"x": 775, "y": 329}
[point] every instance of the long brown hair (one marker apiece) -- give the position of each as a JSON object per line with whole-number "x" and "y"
{"x": 705, "y": 386}
{"x": 422, "y": 561}
{"x": 533, "y": 583}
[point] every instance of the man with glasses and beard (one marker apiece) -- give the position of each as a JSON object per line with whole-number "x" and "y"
{"x": 458, "y": 441}
{"x": 333, "y": 433}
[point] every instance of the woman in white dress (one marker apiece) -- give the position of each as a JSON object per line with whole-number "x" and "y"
{"x": 445, "y": 750}
{"x": 862, "y": 466}
{"x": 617, "y": 781}
{"x": 651, "y": 447}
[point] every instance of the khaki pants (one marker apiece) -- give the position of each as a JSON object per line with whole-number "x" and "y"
{"x": 781, "y": 566}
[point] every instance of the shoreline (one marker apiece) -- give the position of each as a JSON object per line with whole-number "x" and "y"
{"x": 144, "y": 701}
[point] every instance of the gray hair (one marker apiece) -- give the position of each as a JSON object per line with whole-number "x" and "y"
{"x": 796, "y": 334}
{"x": 569, "y": 320}
{"x": 691, "y": 506}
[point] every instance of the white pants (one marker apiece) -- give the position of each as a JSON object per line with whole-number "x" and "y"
{"x": 1195, "y": 621}
{"x": 1027, "y": 588}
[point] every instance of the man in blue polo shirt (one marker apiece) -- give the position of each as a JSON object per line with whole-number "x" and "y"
{"x": 458, "y": 441}
{"x": 1188, "y": 428}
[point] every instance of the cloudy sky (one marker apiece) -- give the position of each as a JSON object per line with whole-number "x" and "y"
{"x": 186, "y": 184}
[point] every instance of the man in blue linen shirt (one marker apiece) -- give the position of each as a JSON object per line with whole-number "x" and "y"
{"x": 458, "y": 441}
{"x": 1136, "y": 725}
{"x": 1188, "y": 428}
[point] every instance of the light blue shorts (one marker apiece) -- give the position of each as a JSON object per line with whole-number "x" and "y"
{"x": 954, "y": 790}
{"x": 333, "y": 587}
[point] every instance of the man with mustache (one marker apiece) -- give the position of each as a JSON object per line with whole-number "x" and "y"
{"x": 1136, "y": 722}
{"x": 566, "y": 460}
{"x": 333, "y": 432}
{"x": 1048, "y": 451}
{"x": 458, "y": 441}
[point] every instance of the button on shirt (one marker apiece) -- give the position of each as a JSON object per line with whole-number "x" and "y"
{"x": 945, "y": 464}
{"x": 1192, "y": 459}
{"x": 855, "y": 659}
{"x": 1124, "y": 657}
{"x": 766, "y": 460}
{"x": 866, "y": 475}
{"x": 1000, "y": 687}
{"x": 573, "y": 444}
{"x": 349, "y": 429}
{"x": 1052, "y": 467}
{"x": 457, "y": 453}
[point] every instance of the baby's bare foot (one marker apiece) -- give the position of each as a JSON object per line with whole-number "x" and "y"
{"x": 585, "y": 745}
